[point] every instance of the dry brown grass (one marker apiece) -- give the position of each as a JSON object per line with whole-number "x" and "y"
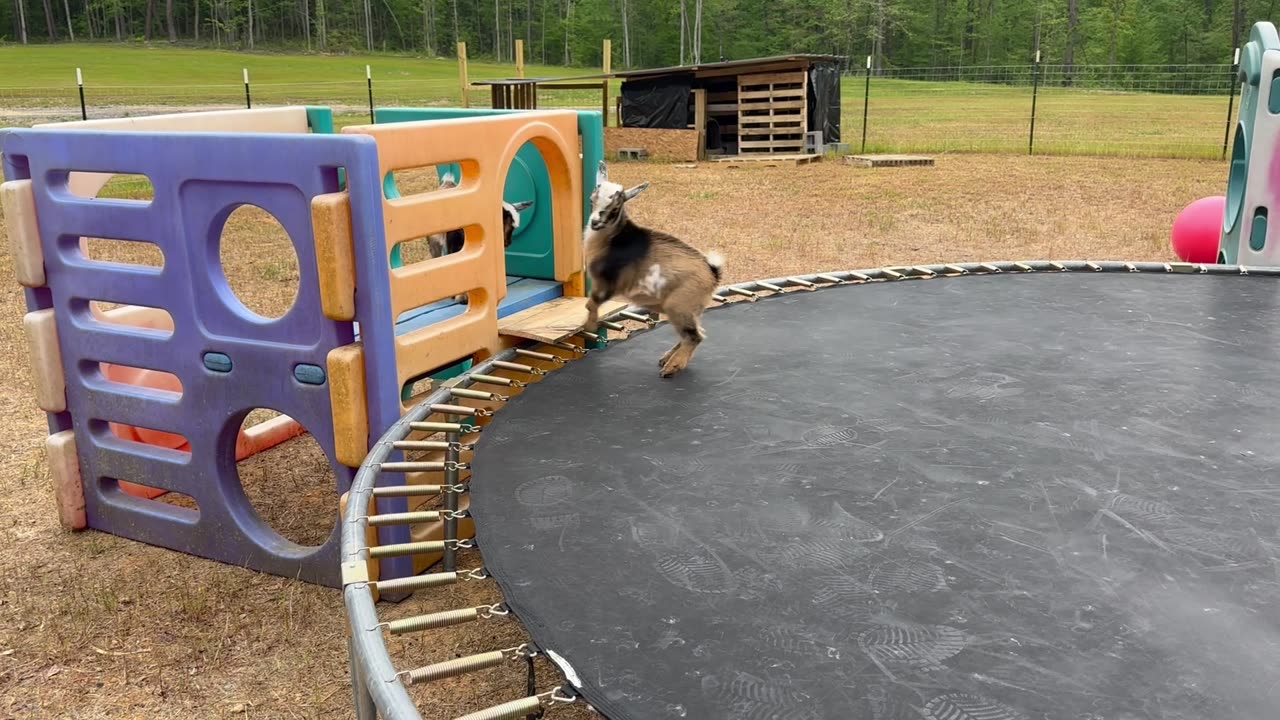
{"x": 92, "y": 626}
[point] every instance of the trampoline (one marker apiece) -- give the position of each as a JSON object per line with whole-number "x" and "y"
{"x": 1012, "y": 491}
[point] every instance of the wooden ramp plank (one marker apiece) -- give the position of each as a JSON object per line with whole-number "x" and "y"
{"x": 554, "y": 320}
{"x": 889, "y": 160}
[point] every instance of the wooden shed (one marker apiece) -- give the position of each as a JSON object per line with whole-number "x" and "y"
{"x": 763, "y": 106}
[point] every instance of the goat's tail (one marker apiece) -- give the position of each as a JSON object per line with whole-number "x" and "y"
{"x": 716, "y": 262}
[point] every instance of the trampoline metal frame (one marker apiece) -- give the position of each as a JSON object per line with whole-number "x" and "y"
{"x": 378, "y": 689}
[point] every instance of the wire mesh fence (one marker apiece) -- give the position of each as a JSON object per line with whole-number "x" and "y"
{"x": 1118, "y": 110}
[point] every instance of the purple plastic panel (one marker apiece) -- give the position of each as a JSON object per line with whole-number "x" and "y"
{"x": 199, "y": 179}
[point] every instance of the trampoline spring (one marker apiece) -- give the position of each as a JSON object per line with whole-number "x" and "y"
{"x": 1058, "y": 266}
{"x": 412, "y": 466}
{"x": 1130, "y": 267}
{"x": 720, "y": 298}
{"x": 1093, "y": 266}
{"x": 768, "y": 286}
{"x": 893, "y": 274}
{"x": 508, "y": 710}
{"x": 646, "y": 319}
{"x": 495, "y": 380}
{"x": 517, "y": 367}
{"x": 802, "y": 283}
{"x": 743, "y": 292}
{"x": 432, "y": 621}
{"x": 378, "y": 552}
{"x": 990, "y": 268}
{"x": 456, "y": 667}
{"x": 572, "y": 348}
{"x": 435, "y": 427}
{"x": 593, "y": 337}
{"x": 837, "y": 281}
{"x": 404, "y": 518}
{"x": 460, "y": 410}
{"x": 411, "y": 491}
{"x": 477, "y": 395}
{"x": 957, "y": 270}
{"x": 1024, "y": 267}
{"x": 547, "y": 357}
{"x": 417, "y": 582}
{"x": 429, "y": 445}
{"x": 476, "y": 574}
{"x": 611, "y": 325}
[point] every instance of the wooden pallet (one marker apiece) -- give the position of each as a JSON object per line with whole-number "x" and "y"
{"x": 873, "y": 161}
{"x": 772, "y": 112}
{"x": 762, "y": 160}
{"x": 552, "y": 321}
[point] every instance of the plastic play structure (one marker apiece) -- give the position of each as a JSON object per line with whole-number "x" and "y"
{"x": 148, "y": 397}
{"x": 998, "y": 490}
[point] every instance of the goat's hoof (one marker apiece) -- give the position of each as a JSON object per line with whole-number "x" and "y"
{"x": 670, "y": 370}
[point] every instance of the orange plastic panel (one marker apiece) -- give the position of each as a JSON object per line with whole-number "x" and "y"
{"x": 19, "y": 206}
{"x": 335, "y": 255}
{"x": 68, "y": 489}
{"x": 350, "y": 402}
{"x": 46, "y": 360}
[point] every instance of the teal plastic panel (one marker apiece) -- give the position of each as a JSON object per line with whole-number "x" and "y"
{"x": 1253, "y": 139}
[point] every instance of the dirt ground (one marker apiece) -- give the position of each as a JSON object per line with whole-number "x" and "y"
{"x": 93, "y": 626}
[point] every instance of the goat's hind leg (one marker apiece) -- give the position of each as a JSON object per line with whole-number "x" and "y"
{"x": 689, "y": 328}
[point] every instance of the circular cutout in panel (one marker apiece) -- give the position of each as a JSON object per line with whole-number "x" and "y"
{"x": 259, "y": 263}
{"x": 1237, "y": 179}
{"x": 286, "y": 477}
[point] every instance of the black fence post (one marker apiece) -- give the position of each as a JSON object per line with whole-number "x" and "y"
{"x": 866, "y": 101}
{"x": 1231, "y": 101}
{"x": 1035, "y": 93}
{"x": 84, "y": 113}
{"x": 368, "y": 78}
{"x": 248, "y": 102}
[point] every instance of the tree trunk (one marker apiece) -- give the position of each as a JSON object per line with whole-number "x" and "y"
{"x": 568, "y": 29}
{"x": 22, "y": 21}
{"x": 1237, "y": 23}
{"x": 306, "y": 23}
{"x": 428, "y": 27}
{"x": 195, "y": 26}
{"x": 543, "y": 27}
{"x": 497, "y": 32}
{"x": 698, "y": 32}
{"x": 684, "y": 28}
{"x": 151, "y": 16}
{"x": 71, "y": 30}
{"x": 323, "y": 21}
{"x": 877, "y": 36}
{"x": 168, "y": 19}
{"x": 528, "y": 26}
{"x": 1117, "y": 11}
{"x": 626, "y": 37}
{"x": 50, "y": 24}
{"x": 1069, "y": 58}
{"x": 119, "y": 24}
{"x": 250, "y": 23}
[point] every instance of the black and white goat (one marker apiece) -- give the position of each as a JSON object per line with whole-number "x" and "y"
{"x": 648, "y": 268}
{"x": 442, "y": 244}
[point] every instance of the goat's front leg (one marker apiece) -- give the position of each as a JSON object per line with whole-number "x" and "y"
{"x": 597, "y": 298}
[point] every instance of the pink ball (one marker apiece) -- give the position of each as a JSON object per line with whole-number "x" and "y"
{"x": 1197, "y": 229}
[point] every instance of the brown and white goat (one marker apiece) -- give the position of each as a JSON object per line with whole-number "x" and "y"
{"x": 446, "y": 243}
{"x": 648, "y": 268}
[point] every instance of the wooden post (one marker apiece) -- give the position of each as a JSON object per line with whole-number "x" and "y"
{"x": 607, "y": 66}
{"x": 700, "y": 120}
{"x": 519, "y": 58}
{"x": 463, "y": 79}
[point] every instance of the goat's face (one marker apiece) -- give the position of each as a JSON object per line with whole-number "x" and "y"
{"x": 608, "y": 204}
{"x": 511, "y": 219}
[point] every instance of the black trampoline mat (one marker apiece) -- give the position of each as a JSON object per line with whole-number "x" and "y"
{"x": 980, "y": 498}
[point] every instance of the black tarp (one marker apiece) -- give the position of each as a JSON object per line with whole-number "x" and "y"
{"x": 658, "y": 103}
{"x": 824, "y": 101}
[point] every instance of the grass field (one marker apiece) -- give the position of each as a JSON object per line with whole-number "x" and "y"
{"x": 903, "y": 116}
{"x": 93, "y": 626}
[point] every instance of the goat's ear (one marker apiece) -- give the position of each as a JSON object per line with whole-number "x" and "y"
{"x": 521, "y": 206}
{"x": 602, "y": 173}
{"x": 633, "y": 192}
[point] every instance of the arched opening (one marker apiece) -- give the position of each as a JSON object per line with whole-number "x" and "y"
{"x": 259, "y": 262}
{"x": 290, "y": 486}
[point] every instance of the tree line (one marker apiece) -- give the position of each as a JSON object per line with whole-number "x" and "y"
{"x": 652, "y": 33}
